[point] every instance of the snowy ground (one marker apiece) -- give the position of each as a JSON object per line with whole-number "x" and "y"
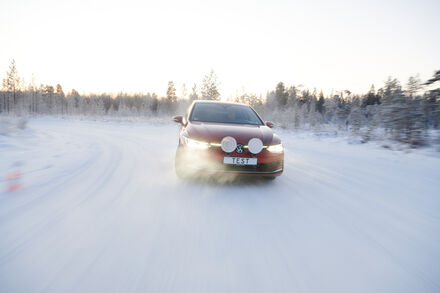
{"x": 97, "y": 208}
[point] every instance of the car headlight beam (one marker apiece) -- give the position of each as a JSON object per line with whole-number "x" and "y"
{"x": 195, "y": 144}
{"x": 276, "y": 148}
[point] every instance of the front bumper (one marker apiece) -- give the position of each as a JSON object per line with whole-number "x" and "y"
{"x": 210, "y": 161}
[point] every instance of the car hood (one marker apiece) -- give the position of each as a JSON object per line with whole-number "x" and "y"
{"x": 215, "y": 132}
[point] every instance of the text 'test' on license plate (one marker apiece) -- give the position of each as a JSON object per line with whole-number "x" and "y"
{"x": 240, "y": 161}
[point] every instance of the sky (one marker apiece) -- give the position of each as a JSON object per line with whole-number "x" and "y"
{"x": 138, "y": 46}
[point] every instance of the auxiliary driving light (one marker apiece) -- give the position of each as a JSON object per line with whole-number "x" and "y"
{"x": 229, "y": 144}
{"x": 255, "y": 145}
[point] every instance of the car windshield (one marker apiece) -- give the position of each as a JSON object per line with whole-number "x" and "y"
{"x": 224, "y": 113}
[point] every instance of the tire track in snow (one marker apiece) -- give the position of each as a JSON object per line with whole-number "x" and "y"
{"x": 123, "y": 222}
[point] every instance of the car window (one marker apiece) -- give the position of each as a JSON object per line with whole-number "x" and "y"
{"x": 224, "y": 113}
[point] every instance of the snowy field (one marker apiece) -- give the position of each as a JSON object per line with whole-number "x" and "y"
{"x": 96, "y": 207}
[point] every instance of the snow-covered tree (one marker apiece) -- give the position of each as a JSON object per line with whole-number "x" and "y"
{"x": 210, "y": 85}
{"x": 393, "y": 107}
{"x": 320, "y": 104}
{"x": 194, "y": 96}
{"x": 171, "y": 97}
{"x": 11, "y": 85}
{"x": 154, "y": 103}
{"x": 434, "y": 79}
{"x": 355, "y": 117}
{"x": 171, "y": 92}
{"x": 415, "y": 127}
{"x": 432, "y": 104}
{"x": 250, "y": 99}
{"x": 414, "y": 85}
{"x": 281, "y": 94}
{"x": 371, "y": 98}
{"x": 184, "y": 92}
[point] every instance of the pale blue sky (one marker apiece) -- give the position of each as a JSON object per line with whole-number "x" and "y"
{"x": 140, "y": 45}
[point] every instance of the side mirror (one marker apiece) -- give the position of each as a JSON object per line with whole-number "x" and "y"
{"x": 270, "y": 124}
{"x": 178, "y": 119}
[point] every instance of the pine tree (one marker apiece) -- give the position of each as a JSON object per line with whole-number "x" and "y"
{"x": 193, "y": 96}
{"x": 434, "y": 79}
{"x": 171, "y": 93}
{"x": 11, "y": 84}
{"x": 60, "y": 100}
{"x": 415, "y": 130}
{"x": 49, "y": 98}
{"x": 371, "y": 98}
{"x": 250, "y": 99}
{"x": 342, "y": 111}
{"x": 373, "y": 120}
{"x": 320, "y": 103}
{"x": 171, "y": 97}
{"x": 281, "y": 95}
{"x": 184, "y": 92}
{"x": 154, "y": 103}
{"x": 355, "y": 116}
{"x": 395, "y": 110}
{"x": 73, "y": 99}
{"x": 292, "y": 97}
{"x": 210, "y": 84}
{"x": 413, "y": 86}
{"x": 433, "y": 101}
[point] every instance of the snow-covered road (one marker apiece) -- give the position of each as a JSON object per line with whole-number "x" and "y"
{"x": 98, "y": 208}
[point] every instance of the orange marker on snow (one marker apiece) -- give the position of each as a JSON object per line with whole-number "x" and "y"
{"x": 12, "y": 180}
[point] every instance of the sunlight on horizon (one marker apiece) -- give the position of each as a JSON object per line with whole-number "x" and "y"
{"x": 108, "y": 46}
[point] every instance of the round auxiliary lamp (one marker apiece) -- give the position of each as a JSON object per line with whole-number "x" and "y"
{"x": 255, "y": 145}
{"x": 229, "y": 144}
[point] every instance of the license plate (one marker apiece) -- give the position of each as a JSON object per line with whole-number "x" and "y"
{"x": 240, "y": 161}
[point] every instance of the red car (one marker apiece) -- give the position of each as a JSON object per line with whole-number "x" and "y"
{"x": 227, "y": 138}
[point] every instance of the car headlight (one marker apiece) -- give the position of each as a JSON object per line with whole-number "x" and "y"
{"x": 276, "y": 148}
{"x": 195, "y": 144}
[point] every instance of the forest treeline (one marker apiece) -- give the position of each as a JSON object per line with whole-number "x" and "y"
{"x": 406, "y": 113}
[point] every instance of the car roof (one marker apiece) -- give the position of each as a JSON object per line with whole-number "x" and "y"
{"x": 218, "y": 102}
